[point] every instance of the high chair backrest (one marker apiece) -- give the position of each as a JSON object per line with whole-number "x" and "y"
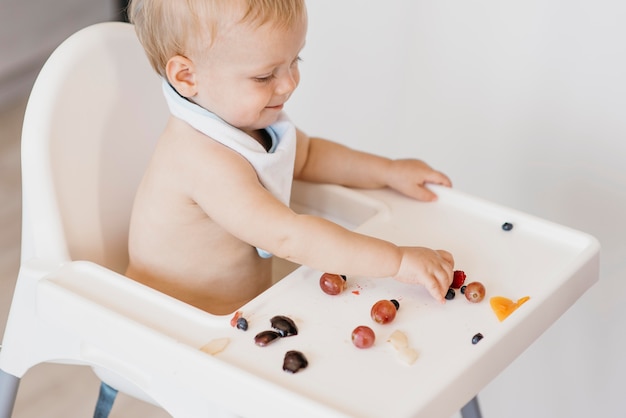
{"x": 90, "y": 125}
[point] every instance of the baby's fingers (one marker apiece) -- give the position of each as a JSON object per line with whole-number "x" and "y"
{"x": 437, "y": 285}
{"x": 442, "y": 278}
{"x": 437, "y": 177}
{"x": 436, "y": 290}
{"x": 421, "y": 193}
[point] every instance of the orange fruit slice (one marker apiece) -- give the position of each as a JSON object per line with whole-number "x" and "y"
{"x": 503, "y": 307}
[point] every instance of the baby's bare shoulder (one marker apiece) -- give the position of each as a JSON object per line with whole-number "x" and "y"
{"x": 195, "y": 151}
{"x": 194, "y": 169}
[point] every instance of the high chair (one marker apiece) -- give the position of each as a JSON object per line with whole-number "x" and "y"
{"x": 90, "y": 125}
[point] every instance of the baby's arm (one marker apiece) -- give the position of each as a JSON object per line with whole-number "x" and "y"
{"x": 229, "y": 192}
{"x": 322, "y": 161}
{"x": 324, "y": 245}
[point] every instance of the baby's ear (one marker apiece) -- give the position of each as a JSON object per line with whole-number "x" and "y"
{"x": 181, "y": 74}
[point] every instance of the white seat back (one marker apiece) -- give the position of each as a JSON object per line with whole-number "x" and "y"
{"x": 93, "y": 116}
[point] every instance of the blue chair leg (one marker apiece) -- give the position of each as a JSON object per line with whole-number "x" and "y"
{"x": 8, "y": 393}
{"x": 106, "y": 397}
{"x": 471, "y": 409}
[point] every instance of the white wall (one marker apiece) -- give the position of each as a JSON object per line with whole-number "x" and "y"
{"x": 520, "y": 102}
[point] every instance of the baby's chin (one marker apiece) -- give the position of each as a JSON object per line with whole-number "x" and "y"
{"x": 265, "y": 120}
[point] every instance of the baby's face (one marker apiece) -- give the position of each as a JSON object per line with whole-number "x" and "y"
{"x": 250, "y": 73}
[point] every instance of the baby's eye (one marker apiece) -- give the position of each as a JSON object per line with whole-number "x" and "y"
{"x": 264, "y": 79}
{"x": 296, "y": 61}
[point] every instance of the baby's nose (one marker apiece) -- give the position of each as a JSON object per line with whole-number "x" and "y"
{"x": 288, "y": 83}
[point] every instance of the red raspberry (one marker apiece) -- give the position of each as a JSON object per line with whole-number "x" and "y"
{"x": 459, "y": 279}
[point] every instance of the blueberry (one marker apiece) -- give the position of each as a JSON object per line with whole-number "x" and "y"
{"x": 242, "y": 323}
{"x": 395, "y": 303}
{"x": 451, "y": 294}
{"x": 463, "y": 289}
{"x": 507, "y": 226}
{"x": 476, "y": 338}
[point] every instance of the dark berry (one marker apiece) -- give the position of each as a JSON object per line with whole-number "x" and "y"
{"x": 264, "y": 338}
{"x": 395, "y": 303}
{"x": 451, "y": 294}
{"x": 294, "y": 361}
{"x": 507, "y": 226}
{"x": 284, "y": 325}
{"x": 242, "y": 323}
{"x": 476, "y": 338}
{"x": 463, "y": 289}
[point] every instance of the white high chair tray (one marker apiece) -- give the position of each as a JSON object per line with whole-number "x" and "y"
{"x": 552, "y": 264}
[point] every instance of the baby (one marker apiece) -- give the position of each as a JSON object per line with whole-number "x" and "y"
{"x": 213, "y": 204}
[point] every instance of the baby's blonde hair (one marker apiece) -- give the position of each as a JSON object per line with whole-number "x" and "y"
{"x": 183, "y": 27}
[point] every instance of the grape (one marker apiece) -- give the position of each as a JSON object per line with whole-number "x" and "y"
{"x": 475, "y": 292}
{"x": 333, "y": 284}
{"x": 384, "y": 311}
{"x": 363, "y": 337}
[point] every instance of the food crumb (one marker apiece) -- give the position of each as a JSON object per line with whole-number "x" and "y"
{"x": 236, "y": 316}
{"x": 215, "y": 346}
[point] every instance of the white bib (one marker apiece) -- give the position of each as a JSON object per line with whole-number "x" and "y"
{"x": 274, "y": 167}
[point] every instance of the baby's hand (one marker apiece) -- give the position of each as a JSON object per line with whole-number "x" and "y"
{"x": 410, "y": 177}
{"x": 431, "y": 268}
